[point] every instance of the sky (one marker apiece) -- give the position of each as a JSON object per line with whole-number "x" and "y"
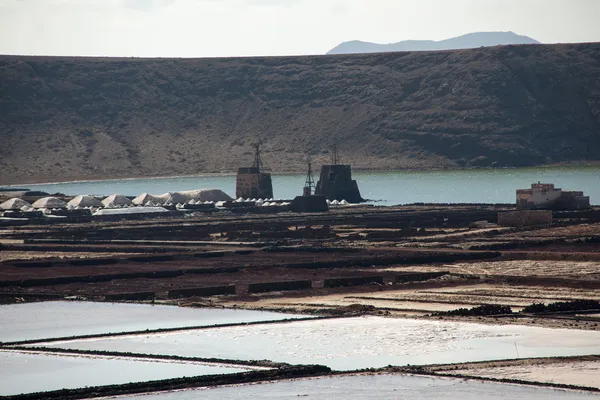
{"x": 224, "y": 28}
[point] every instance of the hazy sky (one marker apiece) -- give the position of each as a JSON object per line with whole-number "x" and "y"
{"x": 209, "y": 28}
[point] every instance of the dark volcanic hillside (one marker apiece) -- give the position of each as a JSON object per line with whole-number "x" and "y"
{"x": 83, "y": 118}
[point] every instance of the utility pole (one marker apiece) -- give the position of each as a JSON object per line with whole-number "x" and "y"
{"x": 309, "y": 184}
{"x": 335, "y": 157}
{"x": 257, "y": 161}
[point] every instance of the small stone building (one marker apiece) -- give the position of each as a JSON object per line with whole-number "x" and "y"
{"x": 525, "y": 218}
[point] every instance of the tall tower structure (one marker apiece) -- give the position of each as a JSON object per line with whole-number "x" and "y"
{"x": 335, "y": 181}
{"x": 309, "y": 184}
{"x": 252, "y": 182}
{"x": 335, "y": 156}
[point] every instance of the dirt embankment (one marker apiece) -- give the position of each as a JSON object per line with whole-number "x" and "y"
{"x": 570, "y": 372}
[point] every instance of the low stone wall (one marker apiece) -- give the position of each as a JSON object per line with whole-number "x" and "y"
{"x": 94, "y": 261}
{"x": 309, "y": 249}
{"x": 114, "y": 260}
{"x": 353, "y": 281}
{"x": 277, "y": 286}
{"x": 210, "y": 254}
{"x": 130, "y": 296}
{"x": 32, "y": 263}
{"x": 414, "y": 259}
{"x": 151, "y": 258}
{"x": 418, "y": 276}
{"x": 523, "y": 218}
{"x": 202, "y": 291}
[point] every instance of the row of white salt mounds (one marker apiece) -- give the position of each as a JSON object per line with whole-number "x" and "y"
{"x": 272, "y": 204}
{"x": 111, "y": 205}
{"x": 242, "y": 200}
{"x": 337, "y": 203}
{"x": 200, "y": 196}
{"x": 93, "y": 208}
{"x": 192, "y": 201}
{"x": 179, "y": 205}
{"x": 14, "y": 204}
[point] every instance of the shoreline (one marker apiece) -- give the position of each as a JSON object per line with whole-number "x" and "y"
{"x": 587, "y": 164}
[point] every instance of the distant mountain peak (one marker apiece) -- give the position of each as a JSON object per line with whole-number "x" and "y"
{"x": 467, "y": 41}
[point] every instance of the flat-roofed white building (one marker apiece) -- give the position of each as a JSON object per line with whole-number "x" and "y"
{"x": 545, "y": 195}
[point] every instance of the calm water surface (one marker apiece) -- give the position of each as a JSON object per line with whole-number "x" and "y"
{"x": 363, "y": 342}
{"x": 378, "y": 387}
{"x": 29, "y": 373}
{"x": 66, "y": 318}
{"x": 393, "y": 187}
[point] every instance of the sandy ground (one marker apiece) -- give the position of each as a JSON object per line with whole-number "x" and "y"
{"x": 419, "y": 303}
{"x": 572, "y": 231}
{"x": 343, "y": 300}
{"x": 30, "y": 255}
{"x": 518, "y": 296}
{"x": 580, "y": 373}
{"x": 573, "y": 269}
{"x": 435, "y": 299}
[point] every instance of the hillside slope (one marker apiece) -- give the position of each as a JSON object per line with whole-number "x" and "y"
{"x": 88, "y": 118}
{"x": 468, "y": 41}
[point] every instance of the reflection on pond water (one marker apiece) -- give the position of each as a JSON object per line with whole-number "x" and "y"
{"x": 67, "y": 318}
{"x": 28, "y": 373}
{"x": 362, "y": 342}
{"x": 359, "y": 387}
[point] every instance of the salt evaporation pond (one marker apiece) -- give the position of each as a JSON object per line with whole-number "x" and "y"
{"x": 29, "y": 321}
{"x": 359, "y": 387}
{"x": 30, "y": 373}
{"x": 360, "y": 342}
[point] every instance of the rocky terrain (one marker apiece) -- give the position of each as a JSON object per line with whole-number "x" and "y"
{"x": 91, "y": 118}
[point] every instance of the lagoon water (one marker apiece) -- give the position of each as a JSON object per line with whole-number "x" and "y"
{"x": 359, "y": 342}
{"x": 29, "y": 321}
{"x": 359, "y": 387}
{"x": 390, "y": 187}
{"x": 22, "y": 372}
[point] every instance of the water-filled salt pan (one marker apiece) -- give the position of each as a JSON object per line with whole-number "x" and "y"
{"x": 362, "y": 342}
{"x": 29, "y": 373}
{"x": 68, "y": 318}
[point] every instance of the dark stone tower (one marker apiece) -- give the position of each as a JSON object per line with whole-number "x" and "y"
{"x": 336, "y": 183}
